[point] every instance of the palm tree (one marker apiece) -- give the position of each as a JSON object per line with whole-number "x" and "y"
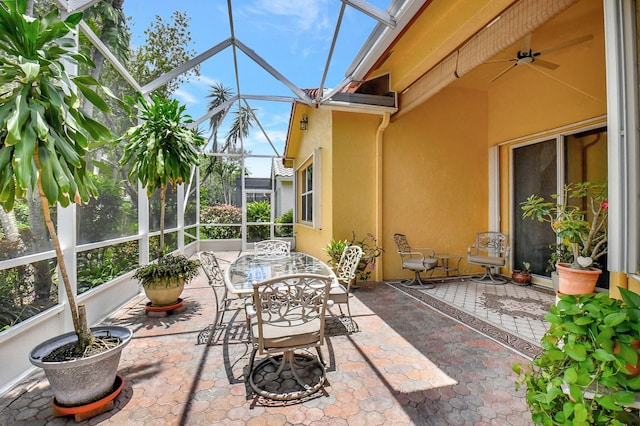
{"x": 243, "y": 121}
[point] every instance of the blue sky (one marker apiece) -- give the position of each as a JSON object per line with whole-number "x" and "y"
{"x": 293, "y": 36}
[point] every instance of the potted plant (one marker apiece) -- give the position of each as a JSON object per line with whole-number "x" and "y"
{"x": 334, "y": 249}
{"x": 161, "y": 150}
{"x": 582, "y": 229}
{"x": 45, "y": 139}
{"x": 370, "y": 252}
{"x": 582, "y": 376}
{"x": 522, "y": 276}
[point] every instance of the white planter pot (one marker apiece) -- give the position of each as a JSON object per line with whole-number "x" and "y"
{"x": 84, "y": 380}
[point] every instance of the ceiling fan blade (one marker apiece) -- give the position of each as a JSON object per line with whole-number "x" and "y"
{"x": 503, "y": 72}
{"x": 565, "y": 44}
{"x": 545, "y": 64}
{"x": 496, "y": 61}
{"x": 526, "y": 44}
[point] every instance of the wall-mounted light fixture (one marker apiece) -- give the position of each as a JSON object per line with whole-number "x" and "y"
{"x": 304, "y": 122}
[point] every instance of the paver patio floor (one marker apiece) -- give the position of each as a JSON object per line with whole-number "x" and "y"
{"x": 408, "y": 364}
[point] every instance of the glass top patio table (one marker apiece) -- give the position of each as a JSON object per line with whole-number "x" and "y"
{"x": 244, "y": 270}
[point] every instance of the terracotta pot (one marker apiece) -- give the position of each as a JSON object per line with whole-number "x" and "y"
{"x": 576, "y": 281}
{"x": 521, "y": 277}
{"x": 634, "y": 370}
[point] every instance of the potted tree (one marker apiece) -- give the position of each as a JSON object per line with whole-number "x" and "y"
{"x": 45, "y": 139}
{"x": 582, "y": 230}
{"x": 584, "y": 373}
{"x": 161, "y": 150}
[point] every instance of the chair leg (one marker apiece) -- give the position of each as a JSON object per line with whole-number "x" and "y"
{"x": 488, "y": 277}
{"x": 417, "y": 282}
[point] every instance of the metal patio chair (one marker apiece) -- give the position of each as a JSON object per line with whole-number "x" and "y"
{"x": 490, "y": 250}
{"x": 346, "y": 273}
{"x": 418, "y": 260}
{"x": 287, "y": 315}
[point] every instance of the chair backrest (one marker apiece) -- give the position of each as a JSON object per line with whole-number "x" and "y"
{"x": 494, "y": 244}
{"x": 293, "y": 306}
{"x": 349, "y": 260}
{"x": 211, "y": 268}
{"x": 403, "y": 245}
{"x": 272, "y": 248}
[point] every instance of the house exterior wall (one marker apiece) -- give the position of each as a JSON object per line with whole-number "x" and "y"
{"x": 354, "y": 175}
{"x": 435, "y": 178}
{"x": 318, "y": 135}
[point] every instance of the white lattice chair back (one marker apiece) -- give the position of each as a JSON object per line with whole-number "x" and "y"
{"x": 346, "y": 269}
{"x": 271, "y": 248}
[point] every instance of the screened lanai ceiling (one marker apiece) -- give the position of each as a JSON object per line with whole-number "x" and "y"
{"x": 266, "y": 52}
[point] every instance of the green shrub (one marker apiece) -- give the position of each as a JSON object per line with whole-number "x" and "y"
{"x": 221, "y": 213}
{"x": 287, "y": 230}
{"x": 258, "y": 211}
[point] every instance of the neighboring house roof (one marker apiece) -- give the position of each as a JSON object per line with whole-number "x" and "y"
{"x": 279, "y": 169}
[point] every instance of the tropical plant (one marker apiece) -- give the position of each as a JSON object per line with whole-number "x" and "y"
{"x": 582, "y": 376}
{"x": 161, "y": 150}
{"x": 370, "y": 253}
{"x": 581, "y": 228}
{"x": 166, "y": 270}
{"x": 45, "y": 133}
{"x": 334, "y": 249}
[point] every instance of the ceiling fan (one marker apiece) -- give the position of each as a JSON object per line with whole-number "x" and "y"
{"x": 527, "y": 56}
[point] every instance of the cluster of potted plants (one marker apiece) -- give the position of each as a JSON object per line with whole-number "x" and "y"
{"x": 581, "y": 228}
{"x": 44, "y": 145}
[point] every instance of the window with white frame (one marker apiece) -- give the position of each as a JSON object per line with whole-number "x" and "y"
{"x": 306, "y": 194}
{"x": 308, "y": 190}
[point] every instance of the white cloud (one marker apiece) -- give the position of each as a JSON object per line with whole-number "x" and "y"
{"x": 186, "y": 97}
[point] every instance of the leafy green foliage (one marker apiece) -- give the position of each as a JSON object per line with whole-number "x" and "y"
{"x": 224, "y": 214}
{"x": 164, "y": 49}
{"x": 586, "y": 349}
{"x": 258, "y": 211}
{"x": 161, "y": 149}
{"x": 370, "y": 253}
{"x": 105, "y": 263}
{"x": 167, "y": 269}
{"x": 285, "y": 230}
{"x": 41, "y": 124}
{"x": 584, "y": 231}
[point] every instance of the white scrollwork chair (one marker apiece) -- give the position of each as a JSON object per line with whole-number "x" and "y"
{"x": 417, "y": 259}
{"x": 211, "y": 267}
{"x": 286, "y": 315}
{"x": 346, "y": 273}
{"x": 490, "y": 250}
{"x": 270, "y": 248}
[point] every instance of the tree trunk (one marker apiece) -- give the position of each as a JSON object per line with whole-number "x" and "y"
{"x": 40, "y": 242}
{"x": 85, "y": 338}
{"x": 163, "y": 192}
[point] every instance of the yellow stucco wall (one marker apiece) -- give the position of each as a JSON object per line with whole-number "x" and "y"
{"x": 435, "y": 176}
{"x": 317, "y": 135}
{"x": 354, "y": 182}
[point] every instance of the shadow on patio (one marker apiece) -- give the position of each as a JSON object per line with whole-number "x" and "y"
{"x": 408, "y": 365}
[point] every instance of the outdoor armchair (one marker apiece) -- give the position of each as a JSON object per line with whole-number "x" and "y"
{"x": 287, "y": 315}
{"x": 490, "y": 250}
{"x": 418, "y": 260}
